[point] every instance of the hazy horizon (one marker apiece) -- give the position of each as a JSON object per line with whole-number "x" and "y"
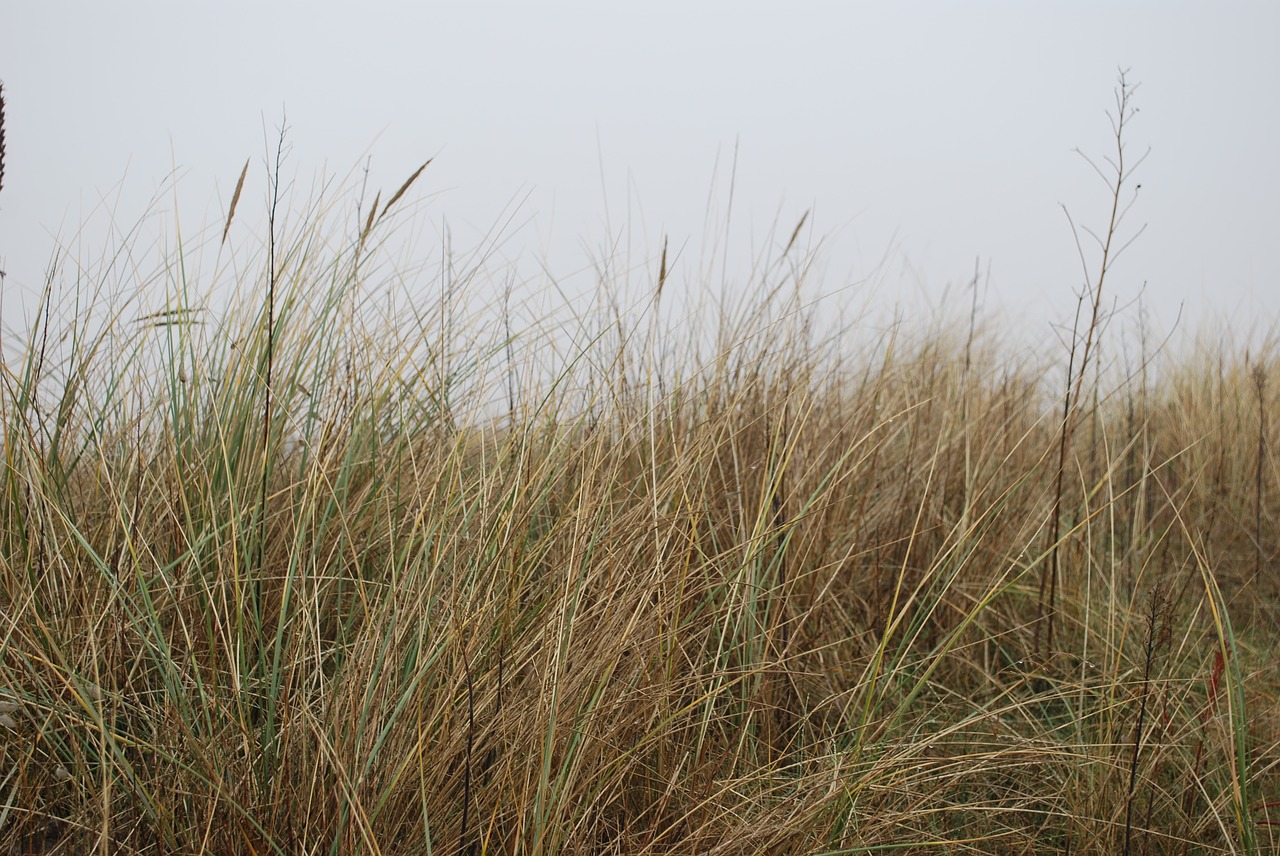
{"x": 920, "y": 138}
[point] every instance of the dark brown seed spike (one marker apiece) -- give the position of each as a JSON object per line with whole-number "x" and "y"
{"x": 235, "y": 199}
{"x": 662, "y": 267}
{"x": 796, "y": 233}
{"x": 368, "y": 223}
{"x": 403, "y": 188}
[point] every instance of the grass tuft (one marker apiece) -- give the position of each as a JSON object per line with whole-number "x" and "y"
{"x": 342, "y": 568}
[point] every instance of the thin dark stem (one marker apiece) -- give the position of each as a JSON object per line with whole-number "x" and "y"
{"x": 463, "y": 847}
{"x": 1, "y": 136}
{"x": 1049, "y": 578}
{"x": 1260, "y": 384}
{"x": 1154, "y": 619}
{"x": 267, "y": 400}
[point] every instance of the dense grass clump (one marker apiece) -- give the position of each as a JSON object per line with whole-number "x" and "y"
{"x": 327, "y": 570}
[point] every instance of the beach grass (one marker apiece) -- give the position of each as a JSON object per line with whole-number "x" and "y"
{"x": 307, "y": 558}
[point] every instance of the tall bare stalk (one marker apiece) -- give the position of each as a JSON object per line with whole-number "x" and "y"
{"x": 1, "y": 136}
{"x": 267, "y": 377}
{"x": 1117, "y": 178}
{"x": 1260, "y": 389}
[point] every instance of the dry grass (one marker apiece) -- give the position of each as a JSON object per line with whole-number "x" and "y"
{"x": 775, "y": 594}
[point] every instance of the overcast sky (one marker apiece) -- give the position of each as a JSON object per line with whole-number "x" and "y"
{"x": 922, "y": 135}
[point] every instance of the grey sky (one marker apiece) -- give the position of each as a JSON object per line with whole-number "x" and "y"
{"x": 927, "y": 133}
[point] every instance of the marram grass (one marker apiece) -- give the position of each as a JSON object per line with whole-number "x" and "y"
{"x": 754, "y": 588}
